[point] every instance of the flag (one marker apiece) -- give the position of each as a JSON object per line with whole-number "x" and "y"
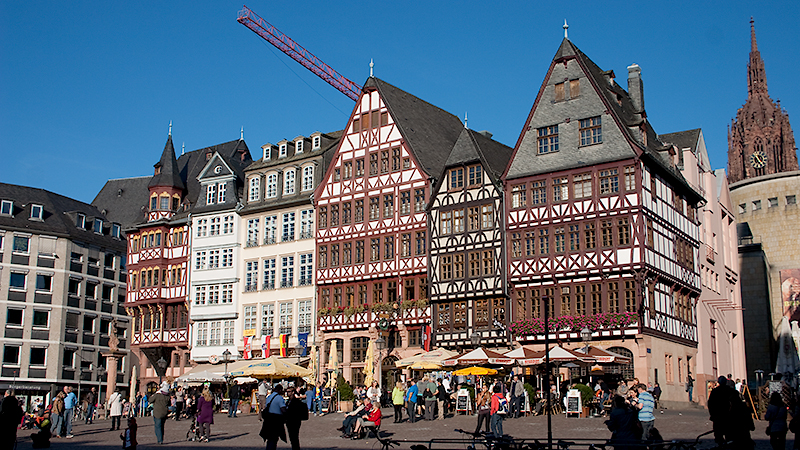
{"x": 426, "y": 337}
{"x": 284, "y": 344}
{"x": 265, "y": 341}
{"x": 247, "y": 354}
{"x": 302, "y": 339}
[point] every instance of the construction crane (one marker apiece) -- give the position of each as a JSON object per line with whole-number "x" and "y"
{"x": 297, "y": 52}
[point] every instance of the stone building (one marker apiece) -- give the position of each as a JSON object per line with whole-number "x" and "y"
{"x": 62, "y": 291}
{"x": 764, "y": 183}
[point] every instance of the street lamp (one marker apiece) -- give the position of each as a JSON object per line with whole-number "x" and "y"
{"x": 586, "y": 336}
{"x": 475, "y": 338}
{"x": 226, "y": 357}
{"x": 162, "y": 364}
{"x": 297, "y": 350}
{"x": 100, "y": 371}
{"x": 380, "y": 344}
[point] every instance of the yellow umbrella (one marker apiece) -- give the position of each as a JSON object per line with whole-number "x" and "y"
{"x": 425, "y": 365}
{"x": 475, "y": 370}
{"x": 272, "y": 367}
{"x": 369, "y": 364}
{"x": 314, "y": 367}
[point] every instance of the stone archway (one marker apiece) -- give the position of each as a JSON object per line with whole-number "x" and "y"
{"x": 391, "y": 373}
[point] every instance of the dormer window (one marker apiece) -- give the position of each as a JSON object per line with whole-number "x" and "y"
{"x": 267, "y": 152}
{"x": 164, "y": 202}
{"x": 98, "y": 226}
{"x": 316, "y": 143}
{"x": 282, "y": 153}
{"x": 116, "y": 231}
{"x": 153, "y": 203}
{"x": 6, "y": 207}
{"x": 37, "y": 212}
{"x": 211, "y": 194}
{"x": 298, "y": 147}
{"x": 80, "y": 221}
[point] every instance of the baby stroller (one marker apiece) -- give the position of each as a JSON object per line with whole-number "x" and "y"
{"x": 194, "y": 433}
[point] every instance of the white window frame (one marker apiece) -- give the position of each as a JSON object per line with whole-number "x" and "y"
{"x": 304, "y": 316}
{"x": 298, "y": 146}
{"x": 285, "y": 317}
{"x": 306, "y": 269}
{"x": 116, "y": 231}
{"x": 227, "y": 224}
{"x": 254, "y": 192}
{"x": 227, "y": 332}
{"x": 80, "y": 221}
{"x": 283, "y": 150}
{"x": 202, "y": 334}
{"x": 6, "y": 207}
{"x": 270, "y": 273}
{"x": 307, "y": 224}
{"x": 37, "y": 212}
{"x": 211, "y": 194}
{"x": 250, "y": 317}
{"x": 268, "y": 319}
{"x": 24, "y": 281}
{"x": 251, "y": 276}
{"x": 308, "y": 178}
{"x": 97, "y": 227}
{"x": 272, "y": 185}
{"x": 317, "y": 141}
{"x": 288, "y": 230}
{"x": 289, "y": 180}
{"x": 270, "y": 229}
{"x": 287, "y": 271}
{"x": 222, "y": 189}
{"x": 252, "y": 232}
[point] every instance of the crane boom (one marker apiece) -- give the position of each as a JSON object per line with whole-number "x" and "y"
{"x": 297, "y": 52}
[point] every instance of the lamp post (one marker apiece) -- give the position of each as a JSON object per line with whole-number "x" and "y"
{"x": 226, "y": 358}
{"x": 162, "y": 364}
{"x": 100, "y": 371}
{"x": 297, "y": 350}
{"x": 475, "y": 338}
{"x": 759, "y": 378}
{"x": 380, "y": 344}
{"x": 586, "y": 336}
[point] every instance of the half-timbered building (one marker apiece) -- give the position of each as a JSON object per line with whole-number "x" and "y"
{"x": 467, "y": 265}
{"x": 602, "y": 229}
{"x": 372, "y": 230}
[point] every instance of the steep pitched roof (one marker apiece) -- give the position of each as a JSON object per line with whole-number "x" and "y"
{"x": 124, "y": 200}
{"x": 167, "y": 173}
{"x": 683, "y": 139}
{"x": 473, "y": 146}
{"x": 429, "y": 131}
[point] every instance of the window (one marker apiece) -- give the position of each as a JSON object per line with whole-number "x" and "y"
{"x": 388, "y": 205}
{"x": 285, "y": 317}
{"x": 488, "y": 263}
{"x": 609, "y": 181}
{"x": 756, "y": 205}
{"x": 548, "y": 139}
{"x": 298, "y": 147}
{"x": 419, "y": 200}
{"x": 269, "y": 273}
{"x": 358, "y": 349}
{"x": 374, "y": 208}
{"x": 288, "y": 227}
{"x": 287, "y": 271}
{"x": 17, "y": 280}
{"x": 583, "y": 185}
{"x": 335, "y": 215}
{"x": 395, "y": 159}
{"x": 20, "y": 244}
{"x": 250, "y": 317}
{"x": 560, "y": 189}
{"x": 630, "y": 178}
{"x": 308, "y": 178}
{"x": 253, "y": 226}
{"x": 791, "y": 200}
{"x": 446, "y": 268}
{"x": 539, "y": 192}
{"x": 315, "y": 143}
{"x": 288, "y": 182}
{"x": 475, "y": 175}
{"x": 359, "y": 252}
{"x": 306, "y": 224}
{"x": 388, "y": 247}
{"x": 385, "y": 161}
{"x": 360, "y": 167}
{"x": 630, "y": 296}
{"x": 458, "y": 221}
{"x": 623, "y": 232}
{"x": 590, "y": 235}
{"x": 227, "y": 330}
{"x": 254, "y": 192}
{"x": 221, "y": 188}
{"x": 267, "y": 319}
{"x": 37, "y": 212}
{"x": 11, "y": 355}
{"x": 375, "y": 250}
{"x": 560, "y": 239}
{"x": 574, "y": 88}
{"x": 773, "y": 202}
{"x": 272, "y": 185}
{"x": 544, "y": 242}
{"x": 306, "y": 268}
{"x": 211, "y": 194}
{"x": 559, "y": 92}
{"x": 518, "y": 193}
{"x": 7, "y": 207}
{"x": 574, "y": 237}
{"x": 251, "y": 276}
{"x": 487, "y": 217}
{"x": 591, "y": 131}
{"x": 200, "y": 295}
{"x": 457, "y": 178}
{"x": 347, "y": 253}
{"x": 282, "y": 150}
{"x": 446, "y": 222}
{"x": 202, "y": 334}
{"x": 420, "y": 243}
{"x": 580, "y": 300}
{"x": 304, "y": 316}
{"x": 80, "y": 221}
{"x": 373, "y": 163}
{"x": 270, "y": 229}
{"x": 44, "y": 282}
{"x": 606, "y": 233}
{"x": 14, "y": 317}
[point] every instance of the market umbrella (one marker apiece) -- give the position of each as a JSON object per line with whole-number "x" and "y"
{"x": 436, "y": 356}
{"x": 425, "y": 365}
{"x": 558, "y": 355}
{"x": 788, "y": 362}
{"x": 369, "y": 364}
{"x": 478, "y": 356}
{"x": 333, "y": 364}
{"x": 272, "y": 367}
{"x": 314, "y": 365}
{"x": 602, "y": 356}
{"x": 133, "y": 385}
{"x": 524, "y": 356}
{"x": 475, "y": 370}
{"x": 203, "y": 376}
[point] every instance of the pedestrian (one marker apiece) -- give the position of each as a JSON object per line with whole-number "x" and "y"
{"x": 374, "y": 393}
{"x": 70, "y": 400}
{"x": 311, "y": 395}
{"x": 57, "y": 415}
{"x": 273, "y": 414}
{"x": 10, "y": 416}
{"x": 91, "y": 402}
{"x": 411, "y": 401}
{"x": 689, "y": 386}
{"x": 137, "y": 404}
{"x": 731, "y": 418}
{"x": 483, "y": 404}
{"x": 398, "y": 400}
{"x": 160, "y": 402}
{"x": 234, "y": 395}
{"x": 319, "y": 396}
{"x": 646, "y": 405}
{"x": 115, "y": 409}
{"x": 442, "y": 397}
{"x": 517, "y": 397}
{"x": 296, "y": 413}
{"x": 180, "y": 401}
{"x": 621, "y": 423}
{"x": 499, "y": 409}
{"x": 129, "y": 435}
{"x": 776, "y": 416}
{"x": 431, "y": 390}
{"x": 205, "y": 414}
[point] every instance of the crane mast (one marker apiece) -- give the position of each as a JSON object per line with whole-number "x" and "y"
{"x": 297, "y": 52}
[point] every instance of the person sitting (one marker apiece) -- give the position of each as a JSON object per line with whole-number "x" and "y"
{"x": 350, "y": 419}
{"x": 372, "y": 419}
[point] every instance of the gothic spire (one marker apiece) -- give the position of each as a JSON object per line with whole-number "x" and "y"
{"x": 166, "y": 173}
{"x": 756, "y": 76}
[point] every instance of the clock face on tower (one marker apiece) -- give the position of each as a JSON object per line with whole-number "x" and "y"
{"x": 758, "y": 159}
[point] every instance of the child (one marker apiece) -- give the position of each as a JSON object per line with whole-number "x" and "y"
{"x": 129, "y": 435}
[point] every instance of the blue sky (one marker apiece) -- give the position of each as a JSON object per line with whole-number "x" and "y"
{"x": 87, "y": 89}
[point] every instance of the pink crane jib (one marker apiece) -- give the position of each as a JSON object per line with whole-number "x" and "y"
{"x": 297, "y": 52}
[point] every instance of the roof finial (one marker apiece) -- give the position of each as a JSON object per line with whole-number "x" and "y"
{"x": 241, "y": 134}
{"x": 371, "y": 65}
{"x": 465, "y": 120}
{"x": 183, "y": 148}
{"x": 753, "y": 44}
{"x": 566, "y": 27}
{"x": 170, "y": 128}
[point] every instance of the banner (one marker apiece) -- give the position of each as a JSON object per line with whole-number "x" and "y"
{"x": 302, "y": 338}
{"x": 790, "y": 293}
{"x": 284, "y": 344}
{"x": 247, "y": 354}
{"x": 265, "y": 342}
{"x": 425, "y": 333}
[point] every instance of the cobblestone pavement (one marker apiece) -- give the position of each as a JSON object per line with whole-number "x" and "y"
{"x": 321, "y": 433}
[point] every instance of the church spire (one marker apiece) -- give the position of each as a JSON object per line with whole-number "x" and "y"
{"x": 756, "y": 75}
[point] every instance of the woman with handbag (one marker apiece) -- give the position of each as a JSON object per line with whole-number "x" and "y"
{"x": 273, "y": 416}
{"x": 776, "y": 415}
{"x": 483, "y": 403}
{"x": 296, "y": 413}
{"x": 205, "y": 413}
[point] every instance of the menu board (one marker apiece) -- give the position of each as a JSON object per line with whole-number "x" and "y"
{"x": 573, "y": 402}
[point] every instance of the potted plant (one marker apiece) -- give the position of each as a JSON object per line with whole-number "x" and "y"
{"x": 587, "y": 394}
{"x": 346, "y": 396}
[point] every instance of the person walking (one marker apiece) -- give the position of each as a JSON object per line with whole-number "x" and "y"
{"x": 374, "y": 393}
{"x": 91, "y": 402}
{"x": 160, "y": 402}
{"x": 776, "y": 416}
{"x": 689, "y": 386}
{"x": 10, "y": 416}
{"x": 411, "y": 401}
{"x": 57, "y": 415}
{"x": 273, "y": 414}
{"x": 180, "y": 401}
{"x": 483, "y": 404}
{"x": 234, "y": 395}
{"x": 205, "y": 414}
{"x": 731, "y": 418}
{"x": 296, "y": 413}
{"x": 622, "y": 425}
{"x": 499, "y": 409}
{"x": 70, "y": 401}
{"x": 442, "y": 397}
{"x": 319, "y": 396}
{"x": 517, "y": 397}
{"x": 430, "y": 399}
{"x": 646, "y": 404}
{"x": 398, "y": 399}
{"x": 129, "y": 435}
{"x": 115, "y": 409}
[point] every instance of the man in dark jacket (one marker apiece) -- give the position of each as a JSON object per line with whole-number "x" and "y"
{"x": 731, "y": 419}
{"x": 10, "y": 417}
{"x": 161, "y": 402}
{"x": 235, "y": 395}
{"x": 91, "y": 402}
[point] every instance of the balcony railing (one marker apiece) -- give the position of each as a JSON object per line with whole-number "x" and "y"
{"x": 336, "y": 318}
{"x": 287, "y": 283}
{"x": 287, "y": 238}
{"x": 252, "y": 287}
{"x": 251, "y": 243}
{"x": 306, "y": 235}
{"x": 269, "y": 240}
{"x": 710, "y": 254}
{"x": 304, "y": 282}
{"x": 267, "y": 286}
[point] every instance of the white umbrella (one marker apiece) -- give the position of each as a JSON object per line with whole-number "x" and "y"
{"x": 788, "y": 361}
{"x": 201, "y": 377}
{"x": 133, "y": 385}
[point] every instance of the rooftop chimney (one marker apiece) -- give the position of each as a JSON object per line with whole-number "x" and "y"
{"x": 635, "y": 87}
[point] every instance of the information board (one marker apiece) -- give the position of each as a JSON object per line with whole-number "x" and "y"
{"x": 573, "y": 402}
{"x": 463, "y": 403}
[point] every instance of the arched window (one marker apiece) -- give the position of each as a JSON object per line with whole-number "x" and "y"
{"x": 272, "y": 185}
{"x": 624, "y": 370}
{"x": 288, "y": 182}
{"x": 255, "y": 189}
{"x": 308, "y": 178}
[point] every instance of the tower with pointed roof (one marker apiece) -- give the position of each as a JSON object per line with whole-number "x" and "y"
{"x": 760, "y": 138}
{"x": 166, "y": 186}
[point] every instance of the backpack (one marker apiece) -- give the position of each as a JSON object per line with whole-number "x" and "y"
{"x": 502, "y": 405}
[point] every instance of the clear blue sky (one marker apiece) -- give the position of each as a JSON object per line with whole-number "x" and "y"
{"x": 87, "y": 89}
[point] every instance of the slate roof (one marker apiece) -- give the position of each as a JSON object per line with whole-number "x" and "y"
{"x": 473, "y": 146}
{"x": 124, "y": 200}
{"x": 59, "y": 216}
{"x": 168, "y": 175}
{"x": 429, "y": 131}
{"x": 683, "y": 139}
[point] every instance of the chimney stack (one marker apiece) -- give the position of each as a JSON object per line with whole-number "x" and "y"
{"x": 635, "y": 87}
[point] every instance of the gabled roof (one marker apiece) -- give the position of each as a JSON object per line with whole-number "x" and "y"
{"x": 429, "y": 131}
{"x": 473, "y": 146}
{"x": 167, "y": 173}
{"x": 124, "y": 200}
{"x": 683, "y": 139}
